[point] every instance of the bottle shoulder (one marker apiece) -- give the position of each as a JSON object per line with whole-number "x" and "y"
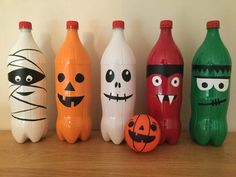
{"x": 167, "y": 53}
{"x": 118, "y": 52}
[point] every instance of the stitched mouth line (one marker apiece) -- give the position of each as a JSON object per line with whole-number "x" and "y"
{"x": 117, "y": 97}
{"x": 140, "y": 137}
{"x": 214, "y": 102}
{"x": 68, "y": 100}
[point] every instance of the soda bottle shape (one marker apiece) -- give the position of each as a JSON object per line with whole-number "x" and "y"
{"x": 27, "y": 88}
{"x": 164, "y": 84}
{"x": 73, "y": 88}
{"x": 211, "y": 71}
{"x": 118, "y": 85}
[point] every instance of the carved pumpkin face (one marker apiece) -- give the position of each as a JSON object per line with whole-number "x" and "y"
{"x": 142, "y": 133}
{"x": 70, "y": 87}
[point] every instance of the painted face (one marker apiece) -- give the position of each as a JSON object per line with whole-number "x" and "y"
{"x": 165, "y": 82}
{"x": 210, "y": 86}
{"x": 27, "y": 84}
{"x": 142, "y": 133}
{"x": 69, "y": 88}
{"x": 118, "y": 84}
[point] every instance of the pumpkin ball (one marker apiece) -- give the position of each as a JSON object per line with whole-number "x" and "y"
{"x": 142, "y": 133}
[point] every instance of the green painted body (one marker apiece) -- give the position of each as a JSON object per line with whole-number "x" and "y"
{"x": 210, "y": 91}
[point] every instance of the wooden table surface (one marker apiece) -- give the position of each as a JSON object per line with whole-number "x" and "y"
{"x": 51, "y": 157}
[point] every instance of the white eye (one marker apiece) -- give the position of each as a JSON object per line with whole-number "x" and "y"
{"x": 156, "y": 80}
{"x": 204, "y": 84}
{"x": 221, "y": 85}
{"x": 175, "y": 82}
{"x": 29, "y": 78}
{"x": 17, "y": 78}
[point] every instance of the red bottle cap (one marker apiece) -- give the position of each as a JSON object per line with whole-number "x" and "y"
{"x": 25, "y": 24}
{"x": 72, "y": 25}
{"x": 118, "y": 24}
{"x": 213, "y": 24}
{"x": 166, "y": 24}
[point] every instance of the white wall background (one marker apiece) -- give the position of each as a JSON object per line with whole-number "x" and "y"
{"x": 142, "y": 19}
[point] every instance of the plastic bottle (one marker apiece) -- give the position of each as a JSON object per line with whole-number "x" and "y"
{"x": 211, "y": 71}
{"x": 118, "y": 89}
{"x": 27, "y": 88}
{"x": 164, "y": 84}
{"x": 73, "y": 88}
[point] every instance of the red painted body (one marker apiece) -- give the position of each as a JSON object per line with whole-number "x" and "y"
{"x": 165, "y": 87}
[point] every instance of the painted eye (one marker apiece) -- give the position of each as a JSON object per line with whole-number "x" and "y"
{"x": 131, "y": 124}
{"x": 221, "y": 85}
{"x": 156, "y": 80}
{"x": 175, "y": 82}
{"x": 17, "y": 78}
{"x": 110, "y": 75}
{"x": 126, "y": 75}
{"x": 153, "y": 127}
{"x": 204, "y": 84}
{"x": 61, "y": 77}
{"x": 79, "y": 78}
{"x": 29, "y": 78}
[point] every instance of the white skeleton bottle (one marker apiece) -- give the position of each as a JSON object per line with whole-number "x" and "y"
{"x": 118, "y": 85}
{"x": 27, "y": 88}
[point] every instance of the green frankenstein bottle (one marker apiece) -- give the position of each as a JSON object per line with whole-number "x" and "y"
{"x": 211, "y": 70}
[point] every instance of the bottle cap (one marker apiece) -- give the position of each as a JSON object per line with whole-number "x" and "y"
{"x": 25, "y": 24}
{"x": 213, "y": 24}
{"x": 72, "y": 25}
{"x": 118, "y": 24}
{"x": 166, "y": 24}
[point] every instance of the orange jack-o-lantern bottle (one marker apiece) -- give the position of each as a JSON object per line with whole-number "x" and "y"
{"x": 73, "y": 85}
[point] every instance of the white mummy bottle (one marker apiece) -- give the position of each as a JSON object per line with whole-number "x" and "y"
{"x": 27, "y": 86}
{"x": 118, "y": 85}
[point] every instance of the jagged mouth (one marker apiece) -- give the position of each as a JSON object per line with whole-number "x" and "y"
{"x": 117, "y": 97}
{"x": 139, "y": 137}
{"x": 214, "y": 102}
{"x": 25, "y": 93}
{"x": 169, "y": 98}
{"x": 69, "y": 100}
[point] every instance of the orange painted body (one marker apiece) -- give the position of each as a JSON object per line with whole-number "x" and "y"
{"x": 73, "y": 87}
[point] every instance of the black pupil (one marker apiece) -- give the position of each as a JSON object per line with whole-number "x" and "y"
{"x": 79, "y": 78}
{"x": 18, "y": 78}
{"x": 221, "y": 85}
{"x": 131, "y": 124}
{"x": 126, "y": 75}
{"x": 61, "y": 77}
{"x": 204, "y": 85}
{"x": 153, "y": 127}
{"x": 175, "y": 81}
{"x": 29, "y": 78}
{"x": 157, "y": 80}
{"x": 110, "y": 75}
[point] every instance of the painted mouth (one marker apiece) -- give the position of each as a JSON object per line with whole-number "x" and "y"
{"x": 169, "y": 98}
{"x": 140, "y": 137}
{"x": 214, "y": 102}
{"x": 25, "y": 93}
{"x": 69, "y": 100}
{"x": 117, "y": 97}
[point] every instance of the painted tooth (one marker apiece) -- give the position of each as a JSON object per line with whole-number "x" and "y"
{"x": 161, "y": 97}
{"x": 64, "y": 97}
{"x": 171, "y": 98}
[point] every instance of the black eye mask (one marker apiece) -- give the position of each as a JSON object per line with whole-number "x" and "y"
{"x": 165, "y": 70}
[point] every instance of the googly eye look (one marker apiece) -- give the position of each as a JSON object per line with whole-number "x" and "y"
{"x": 126, "y": 75}
{"x": 156, "y": 81}
{"x": 204, "y": 84}
{"x": 110, "y": 75}
{"x": 175, "y": 82}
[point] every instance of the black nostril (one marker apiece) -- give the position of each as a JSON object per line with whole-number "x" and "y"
{"x": 116, "y": 84}
{"x": 119, "y": 85}
{"x": 141, "y": 128}
{"x": 70, "y": 87}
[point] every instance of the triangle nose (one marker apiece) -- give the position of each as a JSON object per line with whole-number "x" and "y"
{"x": 70, "y": 87}
{"x": 141, "y": 128}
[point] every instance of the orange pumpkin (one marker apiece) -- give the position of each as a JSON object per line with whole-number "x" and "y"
{"x": 142, "y": 133}
{"x": 73, "y": 86}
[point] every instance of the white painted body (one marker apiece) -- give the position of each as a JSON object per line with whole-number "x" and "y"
{"x": 27, "y": 101}
{"x": 115, "y": 114}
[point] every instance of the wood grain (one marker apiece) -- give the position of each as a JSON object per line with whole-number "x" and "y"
{"x": 51, "y": 157}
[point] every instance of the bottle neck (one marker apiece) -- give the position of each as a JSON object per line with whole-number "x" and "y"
{"x": 166, "y": 34}
{"x": 118, "y": 34}
{"x": 213, "y": 34}
{"x": 25, "y": 33}
{"x": 72, "y": 35}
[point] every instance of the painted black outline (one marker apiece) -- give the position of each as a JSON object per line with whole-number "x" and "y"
{"x": 18, "y": 118}
{"x": 117, "y": 97}
{"x": 165, "y": 70}
{"x": 74, "y": 99}
{"x": 217, "y": 68}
